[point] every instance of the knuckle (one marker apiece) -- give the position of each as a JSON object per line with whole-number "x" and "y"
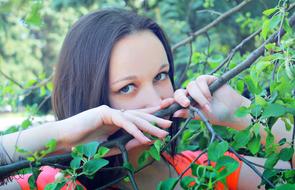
{"x": 104, "y": 107}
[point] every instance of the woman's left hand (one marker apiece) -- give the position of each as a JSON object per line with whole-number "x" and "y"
{"x": 219, "y": 108}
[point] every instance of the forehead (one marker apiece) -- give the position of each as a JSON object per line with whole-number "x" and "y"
{"x": 138, "y": 53}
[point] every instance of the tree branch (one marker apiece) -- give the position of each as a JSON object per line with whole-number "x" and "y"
{"x": 13, "y": 167}
{"x": 234, "y": 50}
{"x": 212, "y": 24}
{"x": 11, "y": 79}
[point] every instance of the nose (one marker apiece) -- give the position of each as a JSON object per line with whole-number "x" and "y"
{"x": 151, "y": 97}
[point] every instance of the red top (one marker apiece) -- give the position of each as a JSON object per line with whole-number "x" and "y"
{"x": 180, "y": 162}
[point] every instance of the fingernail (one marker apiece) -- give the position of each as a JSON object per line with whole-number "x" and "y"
{"x": 187, "y": 102}
{"x": 208, "y": 108}
{"x": 169, "y": 122}
{"x": 148, "y": 140}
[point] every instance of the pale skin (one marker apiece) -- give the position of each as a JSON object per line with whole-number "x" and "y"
{"x": 139, "y": 84}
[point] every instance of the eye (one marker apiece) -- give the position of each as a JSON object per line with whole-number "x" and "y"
{"x": 127, "y": 89}
{"x": 161, "y": 76}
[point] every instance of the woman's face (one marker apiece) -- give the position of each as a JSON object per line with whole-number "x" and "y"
{"x": 139, "y": 72}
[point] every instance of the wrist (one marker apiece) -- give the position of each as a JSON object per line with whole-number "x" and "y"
{"x": 62, "y": 131}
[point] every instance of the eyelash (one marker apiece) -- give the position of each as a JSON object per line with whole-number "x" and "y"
{"x": 166, "y": 76}
{"x": 164, "y": 72}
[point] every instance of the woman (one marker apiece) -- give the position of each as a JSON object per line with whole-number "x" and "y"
{"x": 116, "y": 60}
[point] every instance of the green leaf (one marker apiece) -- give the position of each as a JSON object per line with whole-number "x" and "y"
{"x": 274, "y": 21}
{"x": 268, "y": 12}
{"x": 273, "y": 110}
{"x": 199, "y": 170}
{"x": 55, "y": 186}
{"x": 242, "y": 111}
{"x": 260, "y": 101}
{"x": 34, "y": 17}
{"x": 282, "y": 141}
{"x": 271, "y": 161}
{"x": 216, "y": 150}
{"x": 265, "y": 29}
{"x": 287, "y": 27}
{"x": 252, "y": 85}
{"x": 241, "y": 139}
{"x": 143, "y": 158}
{"x": 155, "y": 153}
{"x": 101, "y": 152}
{"x": 227, "y": 164}
{"x": 240, "y": 86}
{"x": 168, "y": 184}
{"x": 256, "y": 129}
{"x": 256, "y": 110}
{"x": 50, "y": 147}
{"x": 286, "y": 154}
{"x": 92, "y": 166}
{"x": 90, "y": 148}
{"x": 186, "y": 181}
{"x": 51, "y": 186}
{"x": 32, "y": 182}
{"x": 75, "y": 163}
{"x": 79, "y": 187}
{"x": 22, "y": 151}
{"x": 254, "y": 144}
{"x": 288, "y": 124}
{"x": 155, "y": 150}
{"x": 26, "y": 123}
{"x": 158, "y": 144}
{"x": 269, "y": 144}
{"x": 285, "y": 187}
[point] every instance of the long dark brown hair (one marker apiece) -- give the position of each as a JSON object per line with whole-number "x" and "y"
{"x": 82, "y": 73}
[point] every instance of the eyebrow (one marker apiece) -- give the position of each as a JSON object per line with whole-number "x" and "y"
{"x": 134, "y": 77}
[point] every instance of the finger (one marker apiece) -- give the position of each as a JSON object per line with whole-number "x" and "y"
{"x": 130, "y": 128}
{"x": 147, "y": 127}
{"x": 166, "y": 102}
{"x": 163, "y": 123}
{"x": 182, "y": 113}
{"x": 150, "y": 109}
{"x": 180, "y": 97}
{"x": 195, "y": 92}
{"x": 204, "y": 87}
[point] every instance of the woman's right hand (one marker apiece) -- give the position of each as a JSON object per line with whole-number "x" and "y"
{"x": 101, "y": 122}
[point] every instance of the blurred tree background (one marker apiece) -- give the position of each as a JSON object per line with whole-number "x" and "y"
{"x": 204, "y": 34}
{"x": 31, "y": 34}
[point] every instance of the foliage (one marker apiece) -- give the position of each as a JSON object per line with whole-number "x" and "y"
{"x": 31, "y": 33}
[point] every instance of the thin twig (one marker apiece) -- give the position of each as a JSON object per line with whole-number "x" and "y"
{"x": 40, "y": 84}
{"x": 247, "y": 163}
{"x": 211, "y": 130}
{"x": 11, "y": 79}
{"x": 212, "y": 24}
{"x": 184, "y": 73}
{"x": 233, "y": 51}
{"x": 209, "y": 11}
{"x": 125, "y": 161}
{"x": 4, "y": 170}
{"x": 193, "y": 162}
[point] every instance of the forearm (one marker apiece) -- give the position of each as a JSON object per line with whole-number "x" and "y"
{"x": 248, "y": 175}
{"x": 32, "y": 139}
